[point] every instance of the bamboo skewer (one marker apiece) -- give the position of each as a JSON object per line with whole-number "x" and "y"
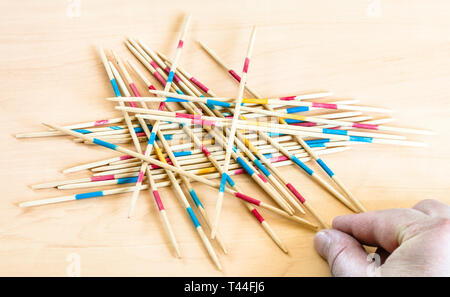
{"x": 186, "y": 182}
{"x": 276, "y": 172}
{"x": 104, "y": 177}
{"x": 293, "y": 190}
{"x": 296, "y": 193}
{"x": 177, "y": 188}
{"x": 274, "y": 128}
{"x": 232, "y": 133}
{"x": 178, "y": 135}
{"x": 151, "y": 138}
{"x": 144, "y": 166}
{"x": 305, "y": 145}
{"x": 166, "y": 166}
{"x": 212, "y": 137}
{"x": 275, "y": 158}
{"x": 289, "y": 185}
{"x": 251, "y": 170}
{"x": 242, "y": 147}
{"x": 230, "y": 102}
{"x": 154, "y": 189}
{"x": 255, "y": 213}
{"x": 172, "y": 97}
{"x": 110, "y": 70}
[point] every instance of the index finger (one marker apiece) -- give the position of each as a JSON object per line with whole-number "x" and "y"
{"x": 378, "y": 228}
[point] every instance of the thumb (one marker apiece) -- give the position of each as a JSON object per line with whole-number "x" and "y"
{"x": 344, "y": 254}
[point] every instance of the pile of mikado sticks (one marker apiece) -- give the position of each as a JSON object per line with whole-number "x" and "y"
{"x": 196, "y": 136}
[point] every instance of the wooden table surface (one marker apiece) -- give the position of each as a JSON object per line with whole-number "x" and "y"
{"x": 385, "y": 53}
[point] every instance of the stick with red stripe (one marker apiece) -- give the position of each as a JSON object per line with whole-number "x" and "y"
{"x": 161, "y": 164}
{"x": 301, "y": 141}
{"x": 154, "y": 188}
{"x": 187, "y": 130}
{"x": 160, "y": 63}
{"x": 164, "y": 80}
{"x": 230, "y": 141}
{"x": 278, "y": 174}
{"x": 213, "y": 161}
{"x": 110, "y": 70}
{"x": 149, "y": 148}
{"x": 170, "y": 174}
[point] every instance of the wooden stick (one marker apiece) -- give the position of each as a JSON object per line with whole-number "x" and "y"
{"x": 166, "y": 166}
{"x": 262, "y": 157}
{"x": 152, "y": 184}
{"x": 172, "y": 97}
{"x": 276, "y": 128}
{"x": 231, "y": 136}
{"x": 274, "y": 158}
{"x": 270, "y": 192}
{"x": 104, "y": 177}
{"x": 308, "y": 149}
{"x": 247, "y": 152}
{"x": 289, "y": 185}
{"x": 172, "y": 158}
{"x": 155, "y": 130}
{"x": 263, "y": 223}
{"x": 110, "y": 71}
{"x": 283, "y": 101}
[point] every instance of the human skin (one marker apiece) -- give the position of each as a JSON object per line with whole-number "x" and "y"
{"x": 410, "y": 242}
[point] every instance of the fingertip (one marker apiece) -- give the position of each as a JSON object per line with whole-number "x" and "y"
{"x": 344, "y": 254}
{"x": 340, "y": 222}
{"x": 322, "y": 243}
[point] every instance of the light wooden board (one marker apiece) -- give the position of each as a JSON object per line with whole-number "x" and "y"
{"x": 49, "y": 71}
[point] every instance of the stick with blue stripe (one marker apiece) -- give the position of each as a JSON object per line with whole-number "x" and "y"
{"x": 78, "y": 196}
{"x": 174, "y": 161}
{"x": 189, "y": 187}
{"x": 189, "y": 210}
{"x": 318, "y": 160}
{"x": 249, "y": 169}
{"x": 322, "y": 165}
{"x": 331, "y": 174}
{"x": 161, "y": 164}
{"x": 250, "y": 207}
{"x": 151, "y": 135}
{"x": 299, "y": 163}
{"x": 162, "y": 159}
{"x": 289, "y": 185}
{"x": 232, "y": 133}
{"x": 259, "y": 165}
{"x": 139, "y": 179}
{"x": 183, "y": 103}
{"x": 258, "y": 178}
{"x": 207, "y": 153}
{"x": 178, "y": 91}
{"x": 356, "y": 136}
{"x": 109, "y": 70}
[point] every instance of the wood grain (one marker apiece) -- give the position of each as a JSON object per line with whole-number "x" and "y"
{"x": 49, "y": 71}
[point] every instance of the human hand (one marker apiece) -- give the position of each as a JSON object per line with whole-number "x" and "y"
{"x": 411, "y": 242}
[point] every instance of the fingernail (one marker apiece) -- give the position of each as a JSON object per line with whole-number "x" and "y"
{"x": 322, "y": 243}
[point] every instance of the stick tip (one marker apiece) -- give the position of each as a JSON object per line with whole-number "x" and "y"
{"x": 201, "y": 43}
{"x": 23, "y": 204}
